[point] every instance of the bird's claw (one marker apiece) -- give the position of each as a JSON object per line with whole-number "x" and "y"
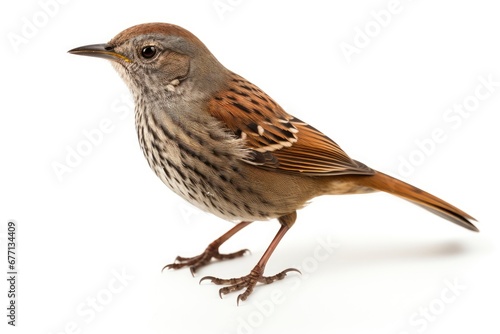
{"x": 247, "y": 282}
{"x": 196, "y": 262}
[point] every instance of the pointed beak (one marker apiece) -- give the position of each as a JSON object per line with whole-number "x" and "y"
{"x": 104, "y": 51}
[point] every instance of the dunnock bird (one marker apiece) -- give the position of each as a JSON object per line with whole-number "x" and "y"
{"x": 224, "y": 145}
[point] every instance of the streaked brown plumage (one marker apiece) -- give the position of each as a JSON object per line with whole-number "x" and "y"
{"x": 224, "y": 145}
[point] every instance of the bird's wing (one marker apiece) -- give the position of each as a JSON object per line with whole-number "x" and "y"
{"x": 276, "y": 139}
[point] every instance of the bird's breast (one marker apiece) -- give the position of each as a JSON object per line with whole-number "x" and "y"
{"x": 203, "y": 164}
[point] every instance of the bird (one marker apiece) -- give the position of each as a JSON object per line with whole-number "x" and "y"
{"x": 225, "y": 146}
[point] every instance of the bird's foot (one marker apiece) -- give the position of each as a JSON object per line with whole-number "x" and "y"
{"x": 196, "y": 262}
{"x": 247, "y": 282}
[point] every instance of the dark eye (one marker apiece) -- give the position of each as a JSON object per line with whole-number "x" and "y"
{"x": 148, "y": 52}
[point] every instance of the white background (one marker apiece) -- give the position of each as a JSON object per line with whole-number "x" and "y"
{"x": 111, "y": 215}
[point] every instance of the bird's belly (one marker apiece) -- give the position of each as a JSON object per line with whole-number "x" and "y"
{"x": 214, "y": 191}
{"x": 215, "y": 184}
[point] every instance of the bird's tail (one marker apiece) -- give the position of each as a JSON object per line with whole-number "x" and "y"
{"x": 386, "y": 183}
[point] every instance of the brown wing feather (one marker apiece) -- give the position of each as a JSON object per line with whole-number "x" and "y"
{"x": 276, "y": 139}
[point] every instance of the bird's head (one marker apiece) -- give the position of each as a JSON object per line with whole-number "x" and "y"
{"x": 155, "y": 58}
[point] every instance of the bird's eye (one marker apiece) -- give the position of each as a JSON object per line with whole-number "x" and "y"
{"x": 148, "y": 52}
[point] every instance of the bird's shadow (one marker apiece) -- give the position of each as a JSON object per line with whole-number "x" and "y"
{"x": 361, "y": 252}
{"x": 358, "y": 253}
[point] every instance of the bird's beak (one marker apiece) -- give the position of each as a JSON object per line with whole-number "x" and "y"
{"x": 104, "y": 51}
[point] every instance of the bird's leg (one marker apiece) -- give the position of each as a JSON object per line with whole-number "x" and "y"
{"x": 249, "y": 281}
{"x": 212, "y": 251}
